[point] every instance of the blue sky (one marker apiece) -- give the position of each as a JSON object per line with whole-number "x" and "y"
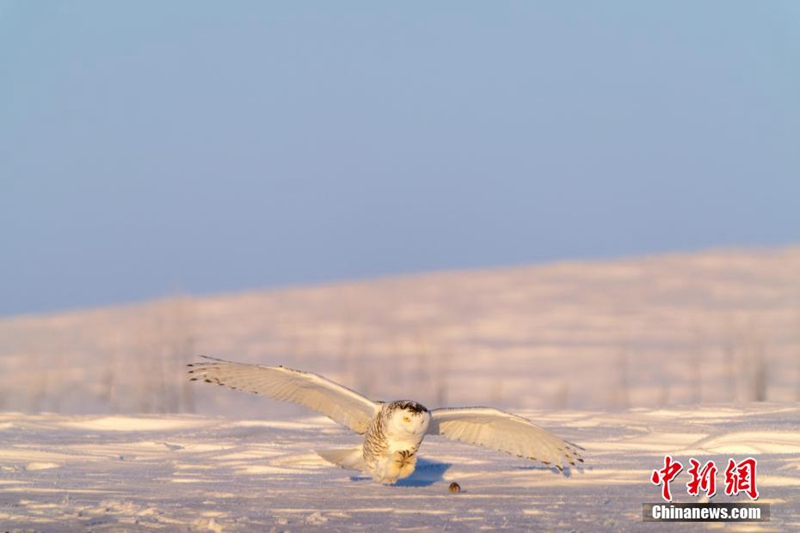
{"x": 154, "y": 147}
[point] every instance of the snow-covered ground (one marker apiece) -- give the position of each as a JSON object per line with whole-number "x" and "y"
{"x": 677, "y": 329}
{"x": 693, "y": 355}
{"x": 197, "y": 473}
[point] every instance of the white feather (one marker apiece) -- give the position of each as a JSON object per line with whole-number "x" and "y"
{"x": 395, "y": 430}
{"x": 335, "y": 401}
{"x": 504, "y": 432}
{"x": 350, "y": 459}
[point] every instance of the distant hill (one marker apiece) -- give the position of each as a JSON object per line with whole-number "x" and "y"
{"x": 715, "y": 326}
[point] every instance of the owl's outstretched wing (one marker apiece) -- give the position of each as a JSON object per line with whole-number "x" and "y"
{"x": 335, "y": 401}
{"x": 504, "y": 432}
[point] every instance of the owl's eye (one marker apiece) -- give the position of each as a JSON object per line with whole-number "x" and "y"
{"x": 406, "y": 419}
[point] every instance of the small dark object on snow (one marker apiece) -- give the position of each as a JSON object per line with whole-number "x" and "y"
{"x": 455, "y": 488}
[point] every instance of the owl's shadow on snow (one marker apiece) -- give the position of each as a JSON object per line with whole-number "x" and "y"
{"x": 426, "y": 474}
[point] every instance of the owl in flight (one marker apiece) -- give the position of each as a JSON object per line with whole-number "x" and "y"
{"x": 393, "y": 431}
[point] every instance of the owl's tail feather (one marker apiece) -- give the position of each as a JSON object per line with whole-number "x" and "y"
{"x": 350, "y": 458}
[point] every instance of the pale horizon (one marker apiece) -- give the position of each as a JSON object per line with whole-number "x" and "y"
{"x": 212, "y": 148}
{"x": 179, "y": 292}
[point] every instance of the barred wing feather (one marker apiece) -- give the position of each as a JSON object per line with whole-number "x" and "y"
{"x": 492, "y": 428}
{"x": 319, "y": 394}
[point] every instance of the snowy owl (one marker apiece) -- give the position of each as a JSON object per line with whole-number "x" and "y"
{"x": 393, "y": 431}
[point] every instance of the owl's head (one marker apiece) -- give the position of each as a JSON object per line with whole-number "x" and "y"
{"x": 407, "y": 418}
